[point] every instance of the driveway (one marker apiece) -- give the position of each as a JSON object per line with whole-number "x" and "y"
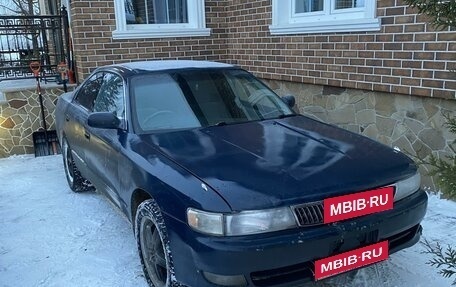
{"x": 50, "y": 236}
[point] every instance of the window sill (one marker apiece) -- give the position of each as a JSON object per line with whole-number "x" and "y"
{"x": 326, "y": 27}
{"x": 161, "y": 33}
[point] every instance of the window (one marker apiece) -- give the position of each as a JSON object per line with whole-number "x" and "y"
{"x": 191, "y": 99}
{"x": 111, "y": 96}
{"x": 320, "y": 16}
{"x": 308, "y": 6}
{"x": 156, "y": 11}
{"x": 159, "y": 18}
{"x": 253, "y": 98}
{"x": 87, "y": 94}
{"x": 160, "y": 104}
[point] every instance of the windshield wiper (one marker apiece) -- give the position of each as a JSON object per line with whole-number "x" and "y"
{"x": 287, "y": 116}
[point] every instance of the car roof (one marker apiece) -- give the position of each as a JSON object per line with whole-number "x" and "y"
{"x": 162, "y": 65}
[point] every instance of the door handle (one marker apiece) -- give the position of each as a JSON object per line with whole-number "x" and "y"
{"x": 86, "y": 134}
{"x": 67, "y": 118}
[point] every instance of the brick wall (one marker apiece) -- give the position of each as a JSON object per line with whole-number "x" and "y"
{"x": 94, "y": 21}
{"x": 407, "y": 56}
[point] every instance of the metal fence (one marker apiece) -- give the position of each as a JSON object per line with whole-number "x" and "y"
{"x": 24, "y": 39}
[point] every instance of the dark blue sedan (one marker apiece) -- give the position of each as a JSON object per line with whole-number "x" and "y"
{"x": 225, "y": 185}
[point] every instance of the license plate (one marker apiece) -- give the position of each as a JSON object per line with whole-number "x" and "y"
{"x": 346, "y": 261}
{"x": 358, "y": 204}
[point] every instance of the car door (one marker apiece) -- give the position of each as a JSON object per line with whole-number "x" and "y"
{"x": 103, "y": 154}
{"x": 76, "y": 119}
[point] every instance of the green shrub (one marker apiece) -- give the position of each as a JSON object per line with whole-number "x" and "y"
{"x": 445, "y": 260}
{"x": 441, "y": 12}
{"x": 444, "y": 169}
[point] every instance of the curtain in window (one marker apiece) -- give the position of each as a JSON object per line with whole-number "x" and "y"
{"x": 156, "y": 11}
{"x": 344, "y": 4}
{"x": 304, "y": 6}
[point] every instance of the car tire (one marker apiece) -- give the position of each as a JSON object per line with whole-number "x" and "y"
{"x": 153, "y": 245}
{"x": 74, "y": 178}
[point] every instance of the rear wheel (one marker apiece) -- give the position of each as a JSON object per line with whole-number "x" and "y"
{"x": 153, "y": 245}
{"x": 74, "y": 178}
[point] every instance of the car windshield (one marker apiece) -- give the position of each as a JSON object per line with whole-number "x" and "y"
{"x": 200, "y": 98}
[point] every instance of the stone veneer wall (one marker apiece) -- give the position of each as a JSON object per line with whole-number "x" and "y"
{"x": 413, "y": 124}
{"x": 20, "y": 116}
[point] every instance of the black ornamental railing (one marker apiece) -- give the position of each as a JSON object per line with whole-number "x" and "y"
{"x": 26, "y": 39}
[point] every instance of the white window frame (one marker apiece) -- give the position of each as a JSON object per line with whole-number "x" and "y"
{"x": 195, "y": 27}
{"x": 286, "y": 21}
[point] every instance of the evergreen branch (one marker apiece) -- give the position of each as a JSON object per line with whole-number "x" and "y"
{"x": 450, "y": 123}
{"x": 443, "y": 260}
{"x": 441, "y": 12}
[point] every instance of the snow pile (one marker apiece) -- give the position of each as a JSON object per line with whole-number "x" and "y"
{"x": 50, "y": 236}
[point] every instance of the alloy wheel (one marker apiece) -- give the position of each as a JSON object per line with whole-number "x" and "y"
{"x": 153, "y": 253}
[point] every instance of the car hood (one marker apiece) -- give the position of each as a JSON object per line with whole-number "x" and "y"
{"x": 272, "y": 163}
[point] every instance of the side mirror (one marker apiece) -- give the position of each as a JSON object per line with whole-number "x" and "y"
{"x": 289, "y": 100}
{"x": 103, "y": 120}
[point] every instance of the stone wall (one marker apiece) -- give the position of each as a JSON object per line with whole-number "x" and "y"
{"x": 20, "y": 116}
{"x": 413, "y": 124}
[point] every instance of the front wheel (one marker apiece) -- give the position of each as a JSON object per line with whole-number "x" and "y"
{"x": 153, "y": 245}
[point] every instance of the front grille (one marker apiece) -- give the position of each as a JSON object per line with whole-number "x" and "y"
{"x": 309, "y": 214}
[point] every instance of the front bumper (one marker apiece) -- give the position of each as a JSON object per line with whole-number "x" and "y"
{"x": 285, "y": 258}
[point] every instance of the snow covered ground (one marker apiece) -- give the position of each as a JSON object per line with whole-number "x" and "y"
{"x": 50, "y": 236}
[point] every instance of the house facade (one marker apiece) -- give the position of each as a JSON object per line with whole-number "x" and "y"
{"x": 379, "y": 46}
{"x": 373, "y": 67}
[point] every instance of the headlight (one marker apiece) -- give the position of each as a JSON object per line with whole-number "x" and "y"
{"x": 407, "y": 186}
{"x": 205, "y": 222}
{"x": 243, "y": 223}
{"x": 251, "y": 222}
